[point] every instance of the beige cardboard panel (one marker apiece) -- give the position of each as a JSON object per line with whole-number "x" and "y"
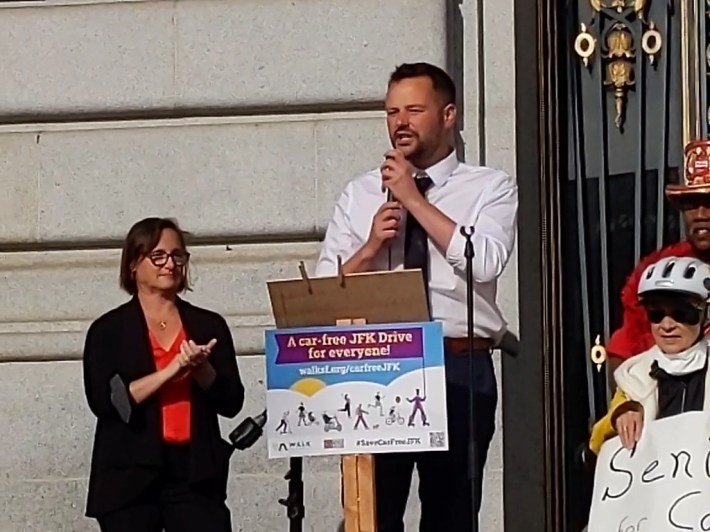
{"x": 375, "y": 297}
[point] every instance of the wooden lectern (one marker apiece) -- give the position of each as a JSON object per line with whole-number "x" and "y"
{"x": 372, "y": 298}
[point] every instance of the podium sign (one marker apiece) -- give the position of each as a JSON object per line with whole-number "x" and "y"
{"x": 355, "y": 389}
{"x": 390, "y": 301}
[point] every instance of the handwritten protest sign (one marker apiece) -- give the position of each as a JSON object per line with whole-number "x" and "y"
{"x": 663, "y": 486}
{"x": 360, "y": 389}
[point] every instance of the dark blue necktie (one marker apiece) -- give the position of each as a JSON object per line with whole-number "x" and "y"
{"x": 416, "y": 249}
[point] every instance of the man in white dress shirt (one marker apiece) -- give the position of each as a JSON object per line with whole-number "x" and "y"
{"x": 433, "y": 196}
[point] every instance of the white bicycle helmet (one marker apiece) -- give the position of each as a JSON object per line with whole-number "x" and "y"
{"x": 683, "y": 275}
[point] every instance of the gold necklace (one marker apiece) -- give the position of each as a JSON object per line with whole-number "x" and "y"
{"x": 163, "y": 324}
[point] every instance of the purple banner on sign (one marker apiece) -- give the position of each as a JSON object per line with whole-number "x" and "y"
{"x": 345, "y": 346}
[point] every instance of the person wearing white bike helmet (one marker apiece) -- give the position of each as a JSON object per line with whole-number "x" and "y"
{"x": 671, "y": 377}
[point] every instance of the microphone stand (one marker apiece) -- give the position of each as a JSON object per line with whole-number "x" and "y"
{"x": 472, "y": 452}
{"x": 243, "y": 437}
{"x": 295, "y": 510}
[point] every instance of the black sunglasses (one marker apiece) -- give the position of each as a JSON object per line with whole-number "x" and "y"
{"x": 160, "y": 258}
{"x": 687, "y": 314}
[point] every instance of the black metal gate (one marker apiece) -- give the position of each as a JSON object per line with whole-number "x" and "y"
{"x": 608, "y": 92}
{"x": 624, "y": 117}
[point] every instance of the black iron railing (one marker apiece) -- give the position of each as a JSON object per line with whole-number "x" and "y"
{"x": 625, "y": 145}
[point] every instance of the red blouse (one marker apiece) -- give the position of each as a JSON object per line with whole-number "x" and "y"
{"x": 174, "y": 395}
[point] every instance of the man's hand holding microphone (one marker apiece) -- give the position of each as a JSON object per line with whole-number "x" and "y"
{"x": 398, "y": 178}
{"x": 398, "y": 181}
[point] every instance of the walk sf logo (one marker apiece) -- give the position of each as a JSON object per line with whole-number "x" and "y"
{"x": 284, "y": 447}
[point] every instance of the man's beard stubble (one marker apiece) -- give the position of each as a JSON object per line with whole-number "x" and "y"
{"x": 420, "y": 152}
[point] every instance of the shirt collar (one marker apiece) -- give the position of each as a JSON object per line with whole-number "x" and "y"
{"x": 441, "y": 171}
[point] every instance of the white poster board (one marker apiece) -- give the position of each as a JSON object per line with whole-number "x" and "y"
{"x": 360, "y": 389}
{"x": 663, "y": 486}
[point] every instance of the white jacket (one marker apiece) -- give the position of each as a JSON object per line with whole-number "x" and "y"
{"x": 634, "y": 379}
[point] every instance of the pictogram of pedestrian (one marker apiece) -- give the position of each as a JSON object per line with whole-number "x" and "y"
{"x": 302, "y": 416}
{"x": 360, "y": 413}
{"x": 346, "y": 408}
{"x": 378, "y": 404}
{"x": 284, "y": 424}
{"x": 418, "y": 406}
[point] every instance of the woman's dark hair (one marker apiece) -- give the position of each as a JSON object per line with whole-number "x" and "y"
{"x": 140, "y": 241}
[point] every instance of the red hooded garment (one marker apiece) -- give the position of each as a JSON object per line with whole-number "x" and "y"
{"x": 634, "y": 335}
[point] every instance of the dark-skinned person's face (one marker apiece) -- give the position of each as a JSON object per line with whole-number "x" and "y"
{"x": 696, "y": 215}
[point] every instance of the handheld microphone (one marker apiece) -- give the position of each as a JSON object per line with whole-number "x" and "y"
{"x": 389, "y": 247}
{"x": 248, "y": 431}
{"x": 390, "y": 198}
{"x": 384, "y": 188}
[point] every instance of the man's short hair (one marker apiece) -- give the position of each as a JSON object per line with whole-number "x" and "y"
{"x": 440, "y": 80}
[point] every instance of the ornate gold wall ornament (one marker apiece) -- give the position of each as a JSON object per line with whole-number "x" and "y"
{"x": 620, "y": 43}
{"x": 618, "y": 52}
{"x": 638, "y": 5}
{"x": 651, "y": 42}
{"x": 585, "y": 44}
{"x": 619, "y": 75}
{"x": 598, "y": 354}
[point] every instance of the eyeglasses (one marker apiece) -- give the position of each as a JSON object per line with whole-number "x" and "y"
{"x": 687, "y": 314}
{"x": 159, "y": 258}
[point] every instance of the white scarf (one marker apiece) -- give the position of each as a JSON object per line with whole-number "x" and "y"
{"x": 685, "y": 362}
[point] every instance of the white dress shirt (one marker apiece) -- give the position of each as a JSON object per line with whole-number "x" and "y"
{"x": 471, "y": 196}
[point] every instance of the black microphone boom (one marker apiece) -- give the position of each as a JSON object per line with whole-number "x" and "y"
{"x": 246, "y": 435}
{"x": 248, "y": 431}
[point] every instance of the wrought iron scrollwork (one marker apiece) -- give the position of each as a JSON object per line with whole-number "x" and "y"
{"x": 627, "y": 28}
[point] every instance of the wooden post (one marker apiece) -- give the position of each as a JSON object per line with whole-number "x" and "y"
{"x": 359, "y": 493}
{"x": 358, "y": 481}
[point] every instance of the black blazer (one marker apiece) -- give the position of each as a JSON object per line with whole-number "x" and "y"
{"x": 128, "y": 455}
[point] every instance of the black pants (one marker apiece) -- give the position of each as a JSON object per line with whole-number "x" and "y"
{"x": 170, "y": 504}
{"x": 444, "y": 484}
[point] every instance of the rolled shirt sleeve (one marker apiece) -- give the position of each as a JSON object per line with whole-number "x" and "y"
{"x": 494, "y": 223}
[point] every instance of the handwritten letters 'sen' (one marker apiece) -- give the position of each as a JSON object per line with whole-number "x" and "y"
{"x": 662, "y": 486}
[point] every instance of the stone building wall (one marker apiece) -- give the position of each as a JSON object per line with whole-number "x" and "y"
{"x": 241, "y": 118}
